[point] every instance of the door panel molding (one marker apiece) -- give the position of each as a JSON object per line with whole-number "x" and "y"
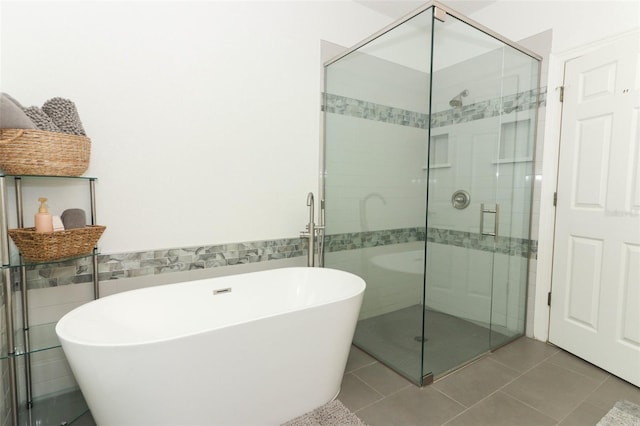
{"x": 596, "y": 260}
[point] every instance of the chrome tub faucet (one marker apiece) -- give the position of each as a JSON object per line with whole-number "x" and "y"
{"x": 312, "y": 231}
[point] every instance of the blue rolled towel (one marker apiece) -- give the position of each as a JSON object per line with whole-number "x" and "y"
{"x": 64, "y": 114}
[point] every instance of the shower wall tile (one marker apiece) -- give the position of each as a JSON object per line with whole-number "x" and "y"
{"x": 477, "y": 125}
{"x": 371, "y": 111}
{"x": 520, "y": 247}
{"x": 155, "y": 262}
{"x": 504, "y": 105}
{"x": 385, "y": 192}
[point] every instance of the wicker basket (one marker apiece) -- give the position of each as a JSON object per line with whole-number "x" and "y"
{"x": 48, "y": 246}
{"x": 36, "y": 152}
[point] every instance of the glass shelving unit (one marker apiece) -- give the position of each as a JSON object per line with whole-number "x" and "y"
{"x": 24, "y": 340}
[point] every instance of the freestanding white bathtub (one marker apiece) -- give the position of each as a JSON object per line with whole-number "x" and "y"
{"x": 251, "y": 349}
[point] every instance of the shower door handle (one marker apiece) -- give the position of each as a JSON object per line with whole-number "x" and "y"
{"x": 496, "y": 213}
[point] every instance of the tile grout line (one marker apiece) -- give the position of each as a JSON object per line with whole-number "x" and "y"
{"x": 486, "y": 397}
{"x": 530, "y": 406}
{"x": 361, "y": 367}
{"x": 500, "y": 389}
{"x": 548, "y": 359}
{"x": 467, "y": 408}
{"x": 382, "y": 397}
{"x": 407, "y": 386}
{"x": 453, "y": 399}
{"x": 584, "y": 401}
{"x": 380, "y": 393}
{"x": 533, "y": 366}
{"x": 607, "y": 374}
{"x": 521, "y": 375}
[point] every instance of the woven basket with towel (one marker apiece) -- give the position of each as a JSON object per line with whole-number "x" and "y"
{"x": 48, "y": 141}
{"x": 50, "y": 246}
{"x": 37, "y": 152}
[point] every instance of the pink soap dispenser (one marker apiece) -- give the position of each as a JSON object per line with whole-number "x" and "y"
{"x": 43, "y": 219}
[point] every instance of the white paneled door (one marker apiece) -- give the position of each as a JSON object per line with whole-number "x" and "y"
{"x": 595, "y": 304}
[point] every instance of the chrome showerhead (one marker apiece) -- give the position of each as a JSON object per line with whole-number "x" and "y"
{"x": 456, "y": 102}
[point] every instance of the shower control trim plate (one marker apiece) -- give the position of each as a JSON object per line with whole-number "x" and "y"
{"x": 460, "y": 199}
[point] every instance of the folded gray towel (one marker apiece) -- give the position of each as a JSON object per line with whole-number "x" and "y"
{"x": 74, "y": 218}
{"x": 11, "y": 114}
{"x": 64, "y": 114}
{"x": 40, "y": 119}
{"x": 12, "y": 99}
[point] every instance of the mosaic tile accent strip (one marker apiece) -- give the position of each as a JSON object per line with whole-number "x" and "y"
{"x": 510, "y": 246}
{"x": 358, "y": 240}
{"x": 185, "y": 259}
{"x": 154, "y": 262}
{"x": 371, "y": 111}
{"x": 351, "y": 241}
{"x": 490, "y": 108}
{"x": 518, "y": 102}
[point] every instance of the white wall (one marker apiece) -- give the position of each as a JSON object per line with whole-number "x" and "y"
{"x": 204, "y": 116}
{"x": 204, "y": 120}
{"x": 574, "y": 23}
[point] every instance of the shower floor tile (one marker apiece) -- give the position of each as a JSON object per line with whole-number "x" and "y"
{"x": 476, "y": 381}
{"x": 451, "y": 341}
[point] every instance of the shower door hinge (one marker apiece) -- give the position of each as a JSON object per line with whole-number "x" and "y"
{"x": 549, "y": 299}
{"x": 439, "y": 14}
{"x": 561, "y": 93}
{"x": 555, "y": 199}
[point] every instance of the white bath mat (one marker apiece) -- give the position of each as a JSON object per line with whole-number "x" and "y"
{"x": 331, "y": 414}
{"x": 624, "y": 413}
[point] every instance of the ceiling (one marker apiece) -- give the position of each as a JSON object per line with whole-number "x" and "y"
{"x": 398, "y": 8}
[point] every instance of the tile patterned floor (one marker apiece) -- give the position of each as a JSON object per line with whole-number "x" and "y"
{"x": 524, "y": 383}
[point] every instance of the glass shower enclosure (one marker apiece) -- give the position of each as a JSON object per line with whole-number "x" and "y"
{"x": 429, "y": 135}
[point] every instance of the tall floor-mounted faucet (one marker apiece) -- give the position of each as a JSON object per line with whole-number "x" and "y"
{"x": 312, "y": 231}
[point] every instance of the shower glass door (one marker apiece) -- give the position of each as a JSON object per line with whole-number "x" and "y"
{"x": 429, "y": 136}
{"x": 480, "y": 179}
{"x": 376, "y": 125}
